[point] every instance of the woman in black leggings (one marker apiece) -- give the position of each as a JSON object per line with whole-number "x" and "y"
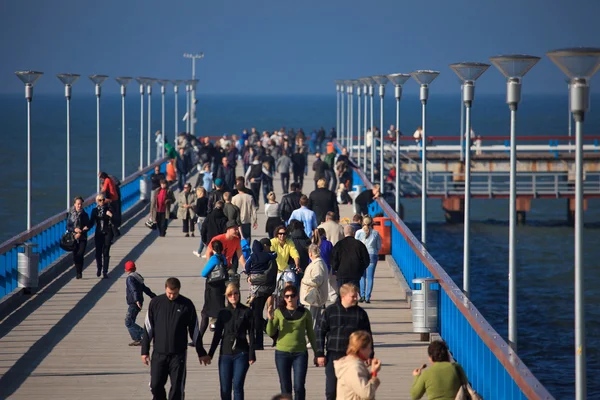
{"x": 102, "y": 217}
{"x": 78, "y": 224}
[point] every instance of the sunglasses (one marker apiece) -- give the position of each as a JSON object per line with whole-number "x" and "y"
{"x": 99, "y": 200}
{"x": 233, "y": 294}
{"x": 281, "y": 233}
{"x": 289, "y": 296}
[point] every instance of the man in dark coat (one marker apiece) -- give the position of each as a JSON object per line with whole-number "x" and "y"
{"x": 290, "y": 201}
{"x": 214, "y": 224}
{"x": 226, "y": 172}
{"x": 216, "y": 194}
{"x": 319, "y": 168}
{"x": 349, "y": 258}
{"x": 363, "y": 200}
{"x": 322, "y": 200}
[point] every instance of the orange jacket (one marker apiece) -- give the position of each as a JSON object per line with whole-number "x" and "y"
{"x": 109, "y": 189}
{"x": 171, "y": 173}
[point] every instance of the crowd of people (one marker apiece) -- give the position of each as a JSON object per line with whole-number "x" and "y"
{"x": 308, "y": 275}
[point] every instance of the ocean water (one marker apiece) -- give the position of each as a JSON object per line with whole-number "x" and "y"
{"x": 544, "y": 245}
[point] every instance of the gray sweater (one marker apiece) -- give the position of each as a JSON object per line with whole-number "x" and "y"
{"x": 284, "y": 164}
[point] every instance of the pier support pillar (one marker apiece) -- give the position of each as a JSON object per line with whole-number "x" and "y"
{"x": 454, "y": 209}
{"x": 571, "y": 210}
{"x": 523, "y": 206}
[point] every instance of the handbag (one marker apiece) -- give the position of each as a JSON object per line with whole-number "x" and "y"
{"x": 218, "y": 273}
{"x": 465, "y": 392}
{"x": 67, "y": 241}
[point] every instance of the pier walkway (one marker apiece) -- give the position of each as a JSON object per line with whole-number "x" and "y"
{"x": 69, "y": 340}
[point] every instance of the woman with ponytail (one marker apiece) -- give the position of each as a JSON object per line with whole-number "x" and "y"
{"x": 371, "y": 239}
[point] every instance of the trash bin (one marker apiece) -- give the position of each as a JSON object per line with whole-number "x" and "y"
{"x": 145, "y": 186}
{"x": 383, "y": 226}
{"x": 425, "y": 306}
{"x": 27, "y": 267}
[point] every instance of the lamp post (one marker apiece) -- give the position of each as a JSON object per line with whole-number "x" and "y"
{"x": 382, "y": 80}
{"x": 123, "y": 81}
{"x": 349, "y": 90}
{"x": 29, "y": 78}
{"x": 337, "y": 106}
{"x": 98, "y": 81}
{"x": 579, "y": 64}
{"x": 176, "y": 84}
{"x": 342, "y": 133}
{"x": 367, "y": 90}
{"x": 468, "y": 72}
{"x": 68, "y": 80}
{"x": 163, "y": 89}
{"x": 358, "y": 86}
{"x": 398, "y": 80}
{"x": 187, "y": 106}
{"x": 142, "y": 82}
{"x": 514, "y": 68}
{"x": 149, "y": 84}
{"x": 424, "y": 78}
{"x": 371, "y": 94}
{"x": 462, "y": 123}
{"x": 192, "y": 115}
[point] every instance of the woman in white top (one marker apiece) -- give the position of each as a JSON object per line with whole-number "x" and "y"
{"x": 272, "y": 213}
{"x": 314, "y": 288}
{"x": 371, "y": 239}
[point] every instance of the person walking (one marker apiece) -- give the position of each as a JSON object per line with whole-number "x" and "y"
{"x": 338, "y": 322}
{"x": 134, "y": 295}
{"x": 164, "y": 199}
{"x": 216, "y": 194}
{"x": 292, "y": 324}
{"x": 231, "y": 247}
{"x": 155, "y": 179}
{"x": 290, "y": 202}
{"x": 320, "y": 239}
{"x": 306, "y": 216}
{"x": 201, "y": 212}
{"x": 272, "y": 214}
{"x": 234, "y": 331}
{"x": 159, "y": 144}
{"x": 322, "y": 200}
{"x": 333, "y": 230}
{"x": 372, "y": 241}
{"x": 349, "y": 259}
{"x": 185, "y": 211}
{"x": 214, "y": 292}
{"x": 268, "y": 171}
{"x": 354, "y": 380}
{"x": 215, "y": 224}
{"x": 299, "y": 165}
{"x": 253, "y": 177}
{"x": 248, "y": 211}
{"x": 78, "y": 223}
{"x": 314, "y": 284}
{"x": 319, "y": 167}
{"x": 181, "y": 165}
{"x": 283, "y": 166}
{"x": 231, "y": 210}
{"x": 169, "y": 318}
{"x": 102, "y": 218}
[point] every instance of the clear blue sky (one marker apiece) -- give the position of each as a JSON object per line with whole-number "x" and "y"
{"x": 284, "y": 46}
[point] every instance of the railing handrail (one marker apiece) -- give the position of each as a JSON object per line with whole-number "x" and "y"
{"x": 523, "y": 377}
{"x": 410, "y": 138}
{"x": 37, "y": 229}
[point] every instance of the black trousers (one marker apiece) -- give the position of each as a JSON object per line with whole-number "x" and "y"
{"x": 299, "y": 177}
{"x": 78, "y": 253}
{"x": 285, "y": 182}
{"x": 163, "y": 366}
{"x": 331, "y": 180}
{"x": 103, "y": 242}
{"x": 255, "y": 187}
{"x": 258, "y": 305}
{"x": 188, "y": 224}
{"x": 161, "y": 223}
{"x": 330, "y": 378}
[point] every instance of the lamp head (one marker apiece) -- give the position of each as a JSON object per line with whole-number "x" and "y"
{"x": 381, "y": 79}
{"x": 424, "y": 76}
{"x": 398, "y": 79}
{"x": 29, "y": 77}
{"x": 123, "y": 80}
{"x": 469, "y": 71}
{"x": 68, "y": 79}
{"x": 98, "y": 79}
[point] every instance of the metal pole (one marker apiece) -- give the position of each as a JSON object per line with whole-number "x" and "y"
{"x": 467, "y": 211}
{"x": 337, "y": 109}
{"x": 30, "y": 88}
{"x": 176, "y": 90}
{"x": 365, "y": 90}
{"x": 164, "y": 135}
{"x": 462, "y": 124}
{"x": 141, "y": 127}
{"x": 371, "y": 93}
{"x": 512, "y": 224}
{"x": 68, "y": 95}
{"x": 149, "y": 90}
{"x": 123, "y": 131}
{"x": 381, "y": 151}
{"x": 348, "y": 118}
{"x": 570, "y": 119}
{"x": 580, "y": 356}
{"x": 358, "y": 97}
{"x": 351, "y": 130}
{"x": 98, "y": 137}
{"x": 342, "y": 133}
{"x": 193, "y": 100}
{"x": 424, "y": 172}
{"x": 187, "y": 108}
{"x": 398, "y": 90}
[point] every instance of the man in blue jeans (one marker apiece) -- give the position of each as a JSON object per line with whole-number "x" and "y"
{"x": 182, "y": 169}
{"x": 135, "y": 300}
{"x": 338, "y": 322}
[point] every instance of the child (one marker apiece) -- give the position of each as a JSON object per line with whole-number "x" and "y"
{"x": 135, "y": 289}
{"x": 342, "y": 195}
{"x": 257, "y": 265}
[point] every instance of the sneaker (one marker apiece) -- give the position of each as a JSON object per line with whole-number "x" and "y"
{"x": 193, "y": 234}
{"x": 187, "y": 235}
{"x": 368, "y": 301}
{"x": 362, "y": 299}
{"x": 196, "y": 253}
{"x": 136, "y": 343}
{"x": 212, "y": 327}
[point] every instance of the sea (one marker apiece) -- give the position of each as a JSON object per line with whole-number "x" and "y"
{"x": 545, "y": 245}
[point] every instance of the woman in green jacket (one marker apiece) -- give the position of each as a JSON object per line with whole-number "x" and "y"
{"x": 293, "y": 324}
{"x": 442, "y": 380}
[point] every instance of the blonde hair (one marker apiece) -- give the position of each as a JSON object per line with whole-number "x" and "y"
{"x": 347, "y": 288}
{"x": 376, "y": 186}
{"x": 271, "y": 196}
{"x": 200, "y": 192}
{"x": 99, "y": 197}
{"x": 232, "y": 287}
{"x": 358, "y": 341}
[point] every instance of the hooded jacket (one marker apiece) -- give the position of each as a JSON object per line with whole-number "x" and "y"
{"x": 213, "y": 225}
{"x": 135, "y": 289}
{"x": 259, "y": 260}
{"x": 354, "y": 381}
{"x": 301, "y": 242}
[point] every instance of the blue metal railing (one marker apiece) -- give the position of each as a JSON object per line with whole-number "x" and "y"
{"x": 48, "y": 233}
{"x": 494, "y": 370}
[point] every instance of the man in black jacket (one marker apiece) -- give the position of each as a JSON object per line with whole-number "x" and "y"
{"x": 349, "y": 258}
{"x": 322, "y": 201}
{"x": 363, "y": 200}
{"x": 290, "y": 201}
{"x": 169, "y": 319}
{"x": 338, "y": 322}
{"x": 319, "y": 168}
{"x": 216, "y": 194}
{"x": 226, "y": 172}
{"x": 214, "y": 224}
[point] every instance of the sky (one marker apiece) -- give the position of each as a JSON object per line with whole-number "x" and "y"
{"x": 284, "y": 46}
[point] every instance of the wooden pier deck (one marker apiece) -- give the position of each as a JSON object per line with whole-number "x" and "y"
{"x": 69, "y": 340}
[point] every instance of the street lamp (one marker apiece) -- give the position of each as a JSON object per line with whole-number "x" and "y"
{"x": 194, "y": 57}
{"x": 163, "y": 89}
{"x": 337, "y": 107}
{"x": 349, "y": 90}
{"x": 398, "y": 80}
{"x": 142, "y": 82}
{"x": 342, "y": 132}
{"x": 468, "y": 73}
{"x": 382, "y": 80}
{"x": 579, "y": 64}
{"x": 123, "y": 81}
{"x": 188, "y": 90}
{"x": 176, "y": 84}
{"x": 368, "y": 90}
{"x": 149, "y": 84}
{"x": 98, "y": 81}
{"x": 358, "y": 85}
{"x": 68, "y": 80}
{"x": 514, "y": 68}
{"x": 29, "y": 78}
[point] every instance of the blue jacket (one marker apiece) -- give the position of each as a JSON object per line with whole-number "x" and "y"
{"x": 373, "y": 242}
{"x": 308, "y": 218}
{"x": 135, "y": 290}
{"x": 212, "y": 262}
{"x": 259, "y": 260}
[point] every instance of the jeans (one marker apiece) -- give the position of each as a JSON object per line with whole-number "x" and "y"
{"x": 180, "y": 180}
{"x": 201, "y": 245}
{"x": 267, "y": 187}
{"x": 330, "y": 378}
{"x": 285, "y": 182}
{"x": 135, "y": 331}
{"x": 331, "y": 180}
{"x": 366, "y": 288}
{"x": 285, "y": 362}
{"x": 232, "y": 374}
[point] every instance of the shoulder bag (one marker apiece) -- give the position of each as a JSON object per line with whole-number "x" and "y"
{"x": 465, "y": 392}
{"x": 218, "y": 273}
{"x": 67, "y": 241}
